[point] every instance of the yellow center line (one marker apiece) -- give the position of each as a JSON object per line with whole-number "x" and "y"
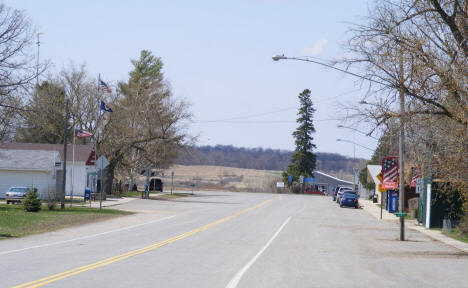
{"x": 75, "y": 271}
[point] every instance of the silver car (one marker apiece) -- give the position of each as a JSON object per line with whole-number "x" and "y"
{"x": 16, "y": 194}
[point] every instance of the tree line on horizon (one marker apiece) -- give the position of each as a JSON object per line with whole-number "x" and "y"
{"x": 259, "y": 158}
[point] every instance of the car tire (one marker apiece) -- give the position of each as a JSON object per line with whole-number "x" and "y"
{"x": 7, "y": 202}
{"x": 356, "y": 207}
{"x": 341, "y": 205}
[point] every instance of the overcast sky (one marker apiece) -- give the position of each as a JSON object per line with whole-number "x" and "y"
{"x": 217, "y": 56}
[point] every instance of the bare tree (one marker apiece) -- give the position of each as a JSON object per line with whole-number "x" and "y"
{"x": 17, "y": 66}
{"x": 146, "y": 128}
{"x": 431, "y": 37}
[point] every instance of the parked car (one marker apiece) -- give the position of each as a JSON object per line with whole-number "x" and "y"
{"x": 340, "y": 190}
{"x": 16, "y": 194}
{"x": 349, "y": 199}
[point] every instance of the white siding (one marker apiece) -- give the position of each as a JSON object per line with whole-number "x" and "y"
{"x": 79, "y": 178}
{"x": 39, "y": 179}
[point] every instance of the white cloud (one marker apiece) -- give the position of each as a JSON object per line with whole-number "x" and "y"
{"x": 316, "y": 49}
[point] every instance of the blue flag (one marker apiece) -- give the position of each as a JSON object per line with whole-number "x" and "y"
{"x": 105, "y": 107}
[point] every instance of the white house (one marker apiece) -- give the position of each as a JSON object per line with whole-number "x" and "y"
{"x": 30, "y": 168}
{"x": 372, "y": 172}
{"x": 81, "y": 168}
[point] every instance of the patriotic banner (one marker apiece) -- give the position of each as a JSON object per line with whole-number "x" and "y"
{"x": 105, "y": 107}
{"x": 390, "y": 173}
{"x": 415, "y": 175}
{"x": 83, "y": 133}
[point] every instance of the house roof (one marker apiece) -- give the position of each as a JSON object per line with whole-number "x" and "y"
{"x": 334, "y": 178}
{"x": 38, "y": 160}
{"x": 82, "y": 152}
{"x": 373, "y": 171}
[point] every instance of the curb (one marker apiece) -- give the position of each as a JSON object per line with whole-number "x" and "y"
{"x": 412, "y": 224}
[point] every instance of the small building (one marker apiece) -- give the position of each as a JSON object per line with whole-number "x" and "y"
{"x": 81, "y": 169}
{"x": 30, "y": 168}
{"x": 372, "y": 172}
{"x": 329, "y": 182}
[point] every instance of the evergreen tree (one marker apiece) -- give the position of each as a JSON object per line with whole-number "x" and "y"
{"x": 303, "y": 159}
{"x": 45, "y": 115}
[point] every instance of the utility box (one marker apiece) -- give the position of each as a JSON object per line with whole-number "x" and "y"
{"x": 392, "y": 201}
{"x": 87, "y": 194}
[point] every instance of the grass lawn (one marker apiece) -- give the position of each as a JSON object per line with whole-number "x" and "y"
{"x": 131, "y": 194}
{"x": 15, "y": 222}
{"x": 455, "y": 234}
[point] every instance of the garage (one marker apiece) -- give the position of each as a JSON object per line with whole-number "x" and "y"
{"x": 34, "y": 168}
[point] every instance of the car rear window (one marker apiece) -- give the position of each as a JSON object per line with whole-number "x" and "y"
{"x": 18, "y": 190}
{"x": 349, "y": 195}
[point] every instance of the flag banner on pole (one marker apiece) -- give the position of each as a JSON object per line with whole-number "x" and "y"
{"x": 105, "y": 107}
{"x": 390, "y": 173}
{"x": 83, "y": 133}
{"x": 104, "y": 86}
{"x": 415, "y": 174}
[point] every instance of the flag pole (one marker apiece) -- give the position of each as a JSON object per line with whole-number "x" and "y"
{"x": 73, "y": 166}
{"x": 95, "y": 144}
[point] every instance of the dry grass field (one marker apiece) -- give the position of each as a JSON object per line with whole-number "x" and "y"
{"x": 221, "y": 178}
{"x": 201, "y": 177}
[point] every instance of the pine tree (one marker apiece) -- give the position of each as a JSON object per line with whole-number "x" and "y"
{"x": 303, "y": 159}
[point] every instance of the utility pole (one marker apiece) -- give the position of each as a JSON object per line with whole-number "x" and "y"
{"x": 64, "y": 176}
{"x": 401, "y": 148}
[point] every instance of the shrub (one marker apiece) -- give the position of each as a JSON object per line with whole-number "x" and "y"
{"x": 32, "y": 203}
{"x": 51, "y": 204}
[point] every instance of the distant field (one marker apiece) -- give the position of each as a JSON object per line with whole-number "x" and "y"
{"x": 220, "y": 178}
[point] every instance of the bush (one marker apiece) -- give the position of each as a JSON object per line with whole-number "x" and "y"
{"x": 463, "y": 226}
{"x": 32, "y": 203}
{"x": 51, "y": 205}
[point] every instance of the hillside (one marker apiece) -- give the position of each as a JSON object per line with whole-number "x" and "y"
{"x": 259, "y": 159}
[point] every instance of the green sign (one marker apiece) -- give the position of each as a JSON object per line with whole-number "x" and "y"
{"x": 400, "y": 214}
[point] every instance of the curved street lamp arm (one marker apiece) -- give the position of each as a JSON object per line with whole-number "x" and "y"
{"x": 282, "y": 57}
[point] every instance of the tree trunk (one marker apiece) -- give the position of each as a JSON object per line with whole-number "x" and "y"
{"x": 109, "y": 178}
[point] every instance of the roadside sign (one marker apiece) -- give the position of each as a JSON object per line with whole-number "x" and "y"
{"x": 310, "y": 180}
{"x": 289, "y": 178}
{"x": 381, "y": 189}
{"x": 419, "y": 186}
{"x": 279, "y": 184}
{"x": 102, "y": 162}
{"x": 301, "y": 179}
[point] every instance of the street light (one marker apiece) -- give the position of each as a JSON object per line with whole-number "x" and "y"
{"x": 399, "y": 86}
{"x": 357, "y": 144}
{"x": 363, "y": 133}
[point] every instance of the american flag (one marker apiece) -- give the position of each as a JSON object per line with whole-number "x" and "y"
{"x": 415, "y": 175}
{"x": 83, "y": 133}
{"x": 390, "y": 172}
{"x": 104, "y": 86}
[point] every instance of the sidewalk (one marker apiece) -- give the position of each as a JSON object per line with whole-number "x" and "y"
{"x": 374, "y": 210}
{"x": 109, "y": 202}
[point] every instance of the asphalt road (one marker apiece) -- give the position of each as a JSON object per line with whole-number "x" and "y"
{"x": 233, "y": 240}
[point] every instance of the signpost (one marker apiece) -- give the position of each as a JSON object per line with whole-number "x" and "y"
{"x": 102, "y": 163}
{"x": 419, "y": 186}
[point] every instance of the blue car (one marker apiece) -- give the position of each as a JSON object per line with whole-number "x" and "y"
{"x": 349, "y": 199}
